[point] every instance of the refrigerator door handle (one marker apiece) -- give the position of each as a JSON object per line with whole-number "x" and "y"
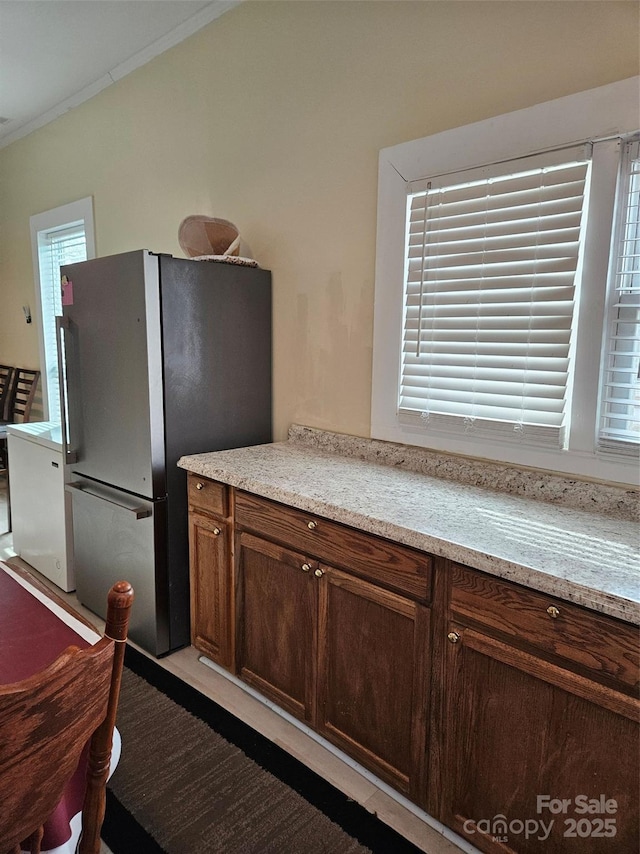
{"x": 70, "y": 455}
{"x": 138, "y": 512}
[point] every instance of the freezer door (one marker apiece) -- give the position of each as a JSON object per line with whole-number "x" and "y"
{"x": 114, "y": 371}
{"x": 118, "y": 537}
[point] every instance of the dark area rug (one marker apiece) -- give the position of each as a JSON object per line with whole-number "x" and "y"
{"x": 193, "y": 779}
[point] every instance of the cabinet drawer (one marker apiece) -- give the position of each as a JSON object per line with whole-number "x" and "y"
{"x": 377, "y": 559}
{"x": 207, "y": 496}
{"x": 601, "y": 645}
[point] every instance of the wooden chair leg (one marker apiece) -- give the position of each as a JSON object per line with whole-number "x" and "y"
{"x": 35, "y": 840}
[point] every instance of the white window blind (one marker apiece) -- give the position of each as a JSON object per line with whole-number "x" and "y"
{"x": 491, "y": 260}
{"x": 620, "y": 396}
{"x": 56, "y": 247}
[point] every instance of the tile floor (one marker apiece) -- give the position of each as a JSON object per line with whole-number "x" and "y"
{"x": 356, "y": 783}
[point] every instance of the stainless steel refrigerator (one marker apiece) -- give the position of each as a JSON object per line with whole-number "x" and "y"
{"x": 163, "y": 357}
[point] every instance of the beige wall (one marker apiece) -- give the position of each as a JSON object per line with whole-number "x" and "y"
{"x": 273, "y": 117}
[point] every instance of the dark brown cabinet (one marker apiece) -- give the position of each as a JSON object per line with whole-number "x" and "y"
{"x": 373, "y": 677}
{"x": 538, "y": 756}
{"x": 348, "y": 656}
{"x": 510, "y": 716}
{"x": 210, "y": 570}
{"x": 277, "y": 623}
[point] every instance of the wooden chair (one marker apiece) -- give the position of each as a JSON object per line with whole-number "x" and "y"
{"x": 19, "y": 391}
{"x": 6, "y": 390}
{"x": 21, "y": 395}
{"x": 6, "y": 387}
{"x": 46, "y": 721}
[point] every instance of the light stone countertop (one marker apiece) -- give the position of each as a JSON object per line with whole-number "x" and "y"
{"x": 588, "y": 558}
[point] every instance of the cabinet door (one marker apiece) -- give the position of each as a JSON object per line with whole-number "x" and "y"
{"x": 277, "y": 619}
{"x": 373, "y": 678}
{"x": 527, "y": 743}
{"x": 211, "y": 609}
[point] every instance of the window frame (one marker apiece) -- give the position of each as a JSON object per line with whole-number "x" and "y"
{"x": 603, "y": 113}
{"x": 73, "y": 213}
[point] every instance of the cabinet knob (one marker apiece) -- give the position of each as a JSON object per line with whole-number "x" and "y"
{"x": 453, "y": 637}
{"x": 312, "y": 525}
{"x": 199, "y": 485}
{"x": 306, "y": 567}
{"x": 216, "y": 532}
{"x": 318, "y": 573}
{"x": 552, "y": 611}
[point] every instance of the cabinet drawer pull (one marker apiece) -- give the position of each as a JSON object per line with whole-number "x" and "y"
{"x": 312, "y": 525}
{"x": 552, "y": 611}
{"x": 199, "y": 485}
{"x": 453, "y": 637}
{"x": 306, "y": 567}
{"x": 216, "y": 532}
{"x": 318, "y": 573}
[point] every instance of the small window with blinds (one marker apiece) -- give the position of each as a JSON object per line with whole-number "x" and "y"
{"x": 63, "y": 235}
{"x": 491, "y": 261}
{"x": 56, "y": 247}
{"x": 620, "y": 392}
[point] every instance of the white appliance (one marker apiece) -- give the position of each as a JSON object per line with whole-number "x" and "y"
{"x": 40, "y": 508}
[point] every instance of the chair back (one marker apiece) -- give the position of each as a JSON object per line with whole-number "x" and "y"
{"x": 22, "y": 394}
{"x": 45, "y": 723}
{"x": 6, "y": 387}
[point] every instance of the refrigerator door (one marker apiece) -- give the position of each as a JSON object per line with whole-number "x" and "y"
{"x": 216, "y": 350}
{"x": 114, "y": 371}
{"x": 121, "y": 537}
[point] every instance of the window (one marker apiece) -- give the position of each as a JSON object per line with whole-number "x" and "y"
{"x": 491, "y": 288}
{"x": 620, "y": 393}
{"x": 60, "y": 236}
{"x": 489, "y": 294}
